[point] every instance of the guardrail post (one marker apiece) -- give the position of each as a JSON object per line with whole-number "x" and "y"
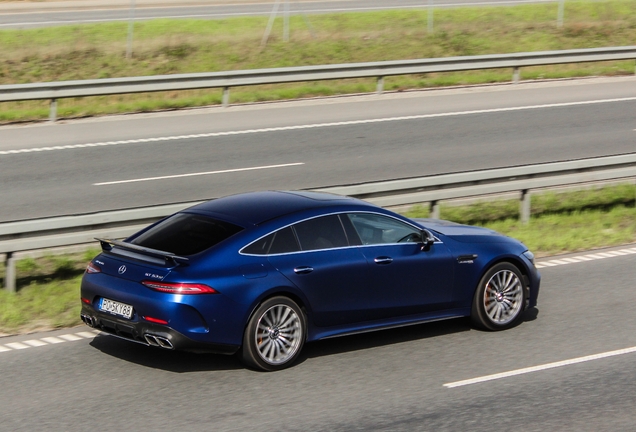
{"x": 53, "y": 110}
{"x": 434, "y": 210}
{"x": 516, "y": 74}
{"x": 226, "y": 96}
{"x": 380, "y": 85}
{"x": 525, "y": 206}
{"x": 9, "y": 274}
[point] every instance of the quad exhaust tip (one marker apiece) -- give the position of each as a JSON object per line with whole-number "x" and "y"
{"x": 88, "y": 320}
{"x": 158, "y": 341}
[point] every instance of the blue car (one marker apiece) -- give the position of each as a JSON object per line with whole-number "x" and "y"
{"x": 259, "y": 274}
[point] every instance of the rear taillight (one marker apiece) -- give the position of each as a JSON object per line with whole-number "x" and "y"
{"x": 92, "y": 268}
{"x": 180, "y": 288}
{"x": 155, "y": 320}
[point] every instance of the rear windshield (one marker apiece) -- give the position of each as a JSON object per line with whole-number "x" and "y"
{"x": 186, "y": 234}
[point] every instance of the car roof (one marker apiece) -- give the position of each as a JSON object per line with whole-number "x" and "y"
{"x": 254, "y": 208}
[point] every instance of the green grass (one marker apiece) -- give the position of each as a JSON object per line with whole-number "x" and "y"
{"x": 48, "y": 295}
{"x": 560, "y": 222}
{"x": 185, "y": 46}
{"x": 53, "y": 304}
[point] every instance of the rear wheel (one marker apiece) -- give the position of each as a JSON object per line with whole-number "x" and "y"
{"x": 499, "y": 299}
{"x": 274, "y": 335}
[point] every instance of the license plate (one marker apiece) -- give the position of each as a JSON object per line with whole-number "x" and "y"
{"x": 116, "y": 308}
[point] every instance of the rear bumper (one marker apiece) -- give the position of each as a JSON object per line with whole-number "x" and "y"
{"x": 149, "y": 334}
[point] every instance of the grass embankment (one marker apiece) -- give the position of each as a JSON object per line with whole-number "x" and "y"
{"x": 185, "y": 46}
{"x": 564, "y": 222}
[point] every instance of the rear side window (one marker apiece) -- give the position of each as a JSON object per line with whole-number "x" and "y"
{"x": 186, "y": 234}
{"x": 281, "y": 241}
{"x": 321, "y": 233}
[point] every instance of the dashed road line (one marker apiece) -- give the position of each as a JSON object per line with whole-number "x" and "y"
{"x": 312, "y": 126}
{"x": 540, "y": 367}
{"x": 17, "y": 346}
{"x": 252, "y": 13}
{"x": 583, "y": 258}
{"x": 35, "y": 343}
{"x": 235, "y": 170}
{"x": 70, "y": 337}
{"x": 50, "y": 340}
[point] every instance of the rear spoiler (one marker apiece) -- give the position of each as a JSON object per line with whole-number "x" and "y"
{"x": 169, "y": 258}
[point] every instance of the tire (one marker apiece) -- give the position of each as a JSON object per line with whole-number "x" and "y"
{"x": 499, "y": 299}
{"x": 274, "y": 335}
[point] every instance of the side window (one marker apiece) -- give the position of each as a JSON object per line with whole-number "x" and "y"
{"x": 321, "y": 233}
{"x": 284, "y": 242}
{"x": 352, "y": 234}
{"x": 378, "y": 229}
{"x": 281, "y": 241}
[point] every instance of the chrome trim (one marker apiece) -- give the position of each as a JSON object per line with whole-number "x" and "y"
{"x": 158, "y": 341}
{"x": 303, "y": 270}
{"x": 88, "y": 320}
{"x": 436, "y": 239}
{"x": 383, "y": 260}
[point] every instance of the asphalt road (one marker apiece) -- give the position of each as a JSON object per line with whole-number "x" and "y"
{"x": 384, "y": 381}
{"x": 139, "y": 160}
{"x": 21, "y": 15}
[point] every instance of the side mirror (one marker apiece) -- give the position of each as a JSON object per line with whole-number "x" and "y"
{"x": 427, "y": 240}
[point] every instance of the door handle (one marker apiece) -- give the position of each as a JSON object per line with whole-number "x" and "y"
{"x": 383, "y": 260}
{"x": 303, "y": 270}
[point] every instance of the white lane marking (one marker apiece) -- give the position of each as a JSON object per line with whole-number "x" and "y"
{"x": 257, "y": 13}
{"x": 86, "y": 335}
{"x": 52, "y": 340}
{"x": 70, "y": 337}
{"x": 571, "y": 260}
{"x": 588, "y": 257}
{"x": 540, "y": 367}
{"x": 607, "y": 254}
{"x": 33, "y": 343}
{"x": 559, "y": 262}
{"x": 316, "y": 125}
{"x": 17, "y": 345}
{"x": 198, "y": 174}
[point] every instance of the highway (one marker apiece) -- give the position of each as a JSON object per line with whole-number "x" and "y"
{"x": 580, "y": 343}
{"x": 28, "y": 15}
{"x": 138, "y": 160}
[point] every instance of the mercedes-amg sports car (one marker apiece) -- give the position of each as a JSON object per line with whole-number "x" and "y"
{"x": 261, "y": 273}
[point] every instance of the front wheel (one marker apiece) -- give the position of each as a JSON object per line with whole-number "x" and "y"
{"x": 274, "y": 335}
{"x": 499, "y": 298}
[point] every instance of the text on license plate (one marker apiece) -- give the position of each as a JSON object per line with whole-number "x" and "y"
{"x": 116, "y": 308}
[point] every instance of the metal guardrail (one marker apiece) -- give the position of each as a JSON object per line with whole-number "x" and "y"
{"x": 72, "y": 230}
{"x": 379, "y": 70}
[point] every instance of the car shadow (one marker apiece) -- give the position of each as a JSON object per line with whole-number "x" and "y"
{"x": 184, "y": 362}
{"x": 382, "y": 338}
{"x": 530, "y": 314}
{"x": 156, "y": 358}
